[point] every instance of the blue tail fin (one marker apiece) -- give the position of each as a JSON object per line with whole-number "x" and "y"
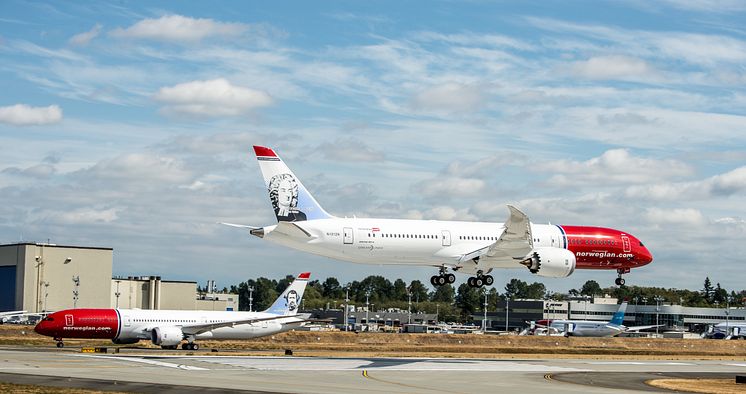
{"x": 288, "y": 302}
{"x": 618, "y": 318}
{"x": 290, "y": 199}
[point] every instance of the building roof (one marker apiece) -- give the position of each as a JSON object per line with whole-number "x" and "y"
{"x": 55, "y": 246}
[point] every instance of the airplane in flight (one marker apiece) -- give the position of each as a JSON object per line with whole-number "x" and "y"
{"x": 589, "y": 328}
{"x": 726, "y": 330}
{"x": 168, "y": 328}
{"x": 475, "y": 248}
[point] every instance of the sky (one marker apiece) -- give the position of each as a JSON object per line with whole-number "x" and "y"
{"x": 130, "y": 124}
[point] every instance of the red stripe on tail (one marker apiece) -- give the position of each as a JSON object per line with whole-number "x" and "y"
{"x": 264, "y": 151}
{"x": 305, "y": 275}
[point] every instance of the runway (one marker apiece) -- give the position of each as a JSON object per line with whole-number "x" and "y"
{"x": 159, "y": 373}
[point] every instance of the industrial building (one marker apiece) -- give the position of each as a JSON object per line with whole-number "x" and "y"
{"x": 40, "y": 277}
{"x": 671, "y": 317}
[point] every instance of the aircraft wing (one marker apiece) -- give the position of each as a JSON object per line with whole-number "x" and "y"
{"x": 515, "y": 243}
{"x": 638, "y": 328}
{"x": 292, "y": 229}
{"x": 200, "y": 328}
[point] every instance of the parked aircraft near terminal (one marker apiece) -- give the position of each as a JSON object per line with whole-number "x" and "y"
{"x": 168, "y": 328}
{"x": 475, "y": 248}
{"x": 590, "y": 328}
{"x": 726, "y": 330}
{"x": 7, "y": 315}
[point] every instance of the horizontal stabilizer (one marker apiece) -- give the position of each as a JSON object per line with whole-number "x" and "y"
{"x": 240, "y": 226}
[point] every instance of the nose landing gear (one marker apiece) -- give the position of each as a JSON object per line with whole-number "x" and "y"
{"x": 619, "y": 280}
{"x": 60, "y": 344}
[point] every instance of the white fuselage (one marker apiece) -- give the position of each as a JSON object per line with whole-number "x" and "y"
{"x": 587, "y": 328}
{"x": 405, "y": 242}
{"x": 137, "y": 324}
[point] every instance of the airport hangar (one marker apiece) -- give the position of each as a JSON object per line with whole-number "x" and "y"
{"x": 41, "y": 277}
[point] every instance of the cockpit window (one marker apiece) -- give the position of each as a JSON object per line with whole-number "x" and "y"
{"x": 48, "y": 319}
{"x": 641, "y": 244}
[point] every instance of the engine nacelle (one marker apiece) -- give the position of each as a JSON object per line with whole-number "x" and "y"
{"x": 166, "y": 336}
{"x": 551, "y": 262}
{"x": 125, "y": 341}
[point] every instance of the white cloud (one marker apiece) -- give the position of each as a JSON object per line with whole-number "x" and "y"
{"x": 216, "y": 97}
{"x": 141, "y": 169}
{"x": 446, "y": 187}
{"x": 24, "y": 115}
{"x": 449, "y": 97}
{"x": 613, "y": 67}
{"x": 78, "y": 216}
{"x": 722, "y": 185}
{"x": 686, "y": 216}
{"x": 350, "y": 149}
{"x": 37, "y": 171}
{"x": 614, "y": 167}
{"x": 180, "y": 29}
{"x": 84, "y": 38}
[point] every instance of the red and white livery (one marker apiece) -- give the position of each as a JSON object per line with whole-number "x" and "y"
{"x": 475, "y": 248}
{"x": 168, "y": 328}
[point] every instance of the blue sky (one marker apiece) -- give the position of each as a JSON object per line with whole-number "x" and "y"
{"x": 130, "y": 126}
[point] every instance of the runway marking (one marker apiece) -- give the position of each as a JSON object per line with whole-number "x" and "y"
{"x": 430, "y": 389}
{"x": 633, "y": 363}
{"x": 145, "y": 361}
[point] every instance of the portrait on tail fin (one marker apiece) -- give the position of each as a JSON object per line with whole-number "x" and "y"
{"x": 283, "y": 191}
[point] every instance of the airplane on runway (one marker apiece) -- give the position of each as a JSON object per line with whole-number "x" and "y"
{"x": 470, "y": 247}
{"x": 726, "y": 330}
{"x": 590, "y": 328}
{"x": 168, "y": 328}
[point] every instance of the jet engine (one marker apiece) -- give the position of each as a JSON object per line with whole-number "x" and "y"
{"x": 550, "y": 262}
{"x": 125, "y": 341}
{"x": 166, "y": 336}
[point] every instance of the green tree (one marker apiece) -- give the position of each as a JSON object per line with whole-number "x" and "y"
{"x": 535, "y": 291}
{"x": 591, "y": 288}
{"x": 707, "y": 290}
{"x": 468, "y": 300}
{"x": 516, "y": 288}
{"x": 400, "y": 290}
{"x": 443, "y": 294}
{"x": 719, "y": 295}
{"x": 331, "y": 288}
{"x": 418, "y": 290}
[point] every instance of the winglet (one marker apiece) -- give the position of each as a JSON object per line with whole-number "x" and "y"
{"x": 304, "y": 276}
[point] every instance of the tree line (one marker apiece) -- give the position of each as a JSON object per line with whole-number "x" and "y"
{"x": 457, "y": 304}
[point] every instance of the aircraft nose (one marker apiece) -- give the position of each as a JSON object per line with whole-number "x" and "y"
{"x": 645, "y": 256}
{"x": 40, "y": 328}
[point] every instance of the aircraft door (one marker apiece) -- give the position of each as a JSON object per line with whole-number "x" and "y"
{"x": 625, "y": 244}
{"x": 127, "y": 321}
{"x": 446, "y": 236}
{"x": 348, "y": 238}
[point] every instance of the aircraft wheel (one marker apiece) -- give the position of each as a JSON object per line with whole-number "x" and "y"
{"x": 441, "y": 280}
{"x": 489, "y": 280}
{"x": 450, "y": 278}
{"x": 478, "y": 282}
{"x": 619, "y": 281}
{"x": 194, "y": 346}
{"x": 60, "y": 344}
{"x": 184, "y": 346}
{"x": 434, "y": 280}
{"x": 470, "y": 281}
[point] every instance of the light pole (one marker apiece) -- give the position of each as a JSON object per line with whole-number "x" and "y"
{"x": 658, "y": 300}
{"x": 409, "y": 307}
{"x": 76, "y": 281}
{"x": 46, "y": 294}
{"x": 251, "y": 298}
{"x": 484, "y": 321}
{"x": 347, "y": 303}
{"x": 117, "y": 293}
{"x": 727, "y": 308}
{"x": 367, "y": 307}
{"x": 507, "y": 308}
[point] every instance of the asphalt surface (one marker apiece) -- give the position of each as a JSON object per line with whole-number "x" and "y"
{"x": 158, "y": 372}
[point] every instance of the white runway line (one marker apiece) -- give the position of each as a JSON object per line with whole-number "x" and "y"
{"x": 144, "y": 361}
{"x": 633, "y": 363}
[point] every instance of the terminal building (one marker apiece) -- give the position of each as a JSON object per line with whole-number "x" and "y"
{"x": 671, "y": 317}
{"x": 42, "y": 277}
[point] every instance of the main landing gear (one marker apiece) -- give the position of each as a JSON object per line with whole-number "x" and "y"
{"x": 189, "y": 346}
{"x": 480, "y": 280}
{"x": 619, "y": 280}
{"x": 442, "y": 278}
